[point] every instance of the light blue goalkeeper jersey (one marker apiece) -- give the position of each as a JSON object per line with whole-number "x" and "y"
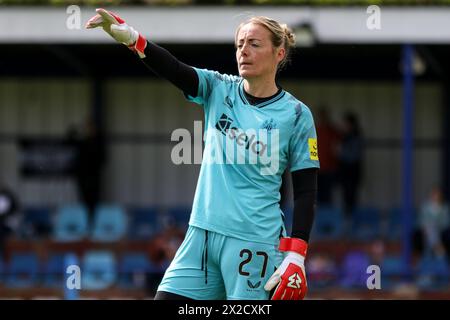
{"x": 246, "y": 150}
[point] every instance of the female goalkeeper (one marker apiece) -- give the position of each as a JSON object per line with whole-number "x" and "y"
{"x": 236, "y": 245}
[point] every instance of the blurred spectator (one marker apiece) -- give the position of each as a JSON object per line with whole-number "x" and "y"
{"x": 433, "y": 234}
{"x": 164, "y": 246}
{"x": 8, "y": 207}
{"x": 88, "y": 166}
{"x": 323, "y": 270}
{"x": 328, "y": 141}
{"x": 162, "y": 249}
{"x": 377, "y": 252}
{"x": 350, "y": 163}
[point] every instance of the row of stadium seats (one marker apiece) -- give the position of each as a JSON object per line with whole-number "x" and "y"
{"x": 110, "y": 223}
{"x": 100, "y": 269}
{"x": 428, "y": 273}
{"x": 366, "y": 224}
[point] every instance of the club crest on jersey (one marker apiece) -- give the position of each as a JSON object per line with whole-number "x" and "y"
{"x": 269, "y": 125}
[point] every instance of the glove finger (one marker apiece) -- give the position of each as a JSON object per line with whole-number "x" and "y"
{"x": 107, "y": 16}
{"x": 285, "y": 295}
{"x": 288, "y": 293}
{"x": 272, "y": 282}
{"x": 94, "y": 22}
{"x": 293, "y": 295}
{"x": 303, "y": 292}
{"x": 279, "y": 291}
{"x": 277, "y": 295}
{"x": 296, "y": 294}
{"x": 303, "y": 287}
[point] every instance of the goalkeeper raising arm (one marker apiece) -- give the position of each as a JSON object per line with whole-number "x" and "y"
{"x": 236, "y": 245}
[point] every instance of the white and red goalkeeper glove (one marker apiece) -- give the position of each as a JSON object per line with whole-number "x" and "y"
{"x": 290, "y": 276}
{"x": 119, "y": 30}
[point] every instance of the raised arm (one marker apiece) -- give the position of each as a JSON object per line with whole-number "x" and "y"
{"x": 164, "y": 64}
{"x": 157, "y": 59}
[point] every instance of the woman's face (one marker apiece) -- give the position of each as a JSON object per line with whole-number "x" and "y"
{"x": 255, "y": 54}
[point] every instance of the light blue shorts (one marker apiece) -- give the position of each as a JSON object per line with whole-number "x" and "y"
{"x": 211, "y": 266}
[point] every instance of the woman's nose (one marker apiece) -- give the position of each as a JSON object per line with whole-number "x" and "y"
{"x": 244, "y": 50}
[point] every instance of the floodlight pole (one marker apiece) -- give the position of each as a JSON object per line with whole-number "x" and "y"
{"x": 446, "y": 139}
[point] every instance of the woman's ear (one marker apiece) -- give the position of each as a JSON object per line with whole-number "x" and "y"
{"x": 281, "y": 54}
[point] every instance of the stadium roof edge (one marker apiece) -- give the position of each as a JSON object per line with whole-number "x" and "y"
{"x": 428, "y": 25}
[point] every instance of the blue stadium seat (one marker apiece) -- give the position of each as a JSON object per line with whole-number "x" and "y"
{"x": 110, "y": 223}
{"x": 366, "y": 223}
{"x": 22, "y": 270}
{"x": 143, "y": 223}
{"x": 395, "y": 224}
{"x": 54, "y": 271}
{"x": 71, "y": 223}
{"x": 328, "y": 223}
{"x": 99, "y": 270}
{"x": 36, "y": 222}
{"x": 134, "y": 268}
{"x": 433, "y": 273}
{"x": 392, "y": 271}
{"x": 179, "y": 216}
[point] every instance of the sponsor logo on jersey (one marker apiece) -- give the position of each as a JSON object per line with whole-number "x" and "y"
{"x": 313, "y": 152}
{"x": 232, "y": 145}
{"x": 253, "y": 285}
{"x": 224, "y": 124}
{"x": 247, "y": 138}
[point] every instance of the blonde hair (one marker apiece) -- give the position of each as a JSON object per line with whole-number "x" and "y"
{"x": 282, "y": 35}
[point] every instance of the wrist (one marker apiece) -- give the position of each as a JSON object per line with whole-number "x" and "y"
{"x": 296, "y": 257}
{"x": 139, "y": 44}
{"x": 295, "y": 245}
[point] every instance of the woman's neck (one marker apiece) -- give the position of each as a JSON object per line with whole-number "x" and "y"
{"x": 260, "y": 88}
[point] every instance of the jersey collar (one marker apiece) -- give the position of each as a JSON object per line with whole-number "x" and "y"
{"x": 262, "y": 104}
